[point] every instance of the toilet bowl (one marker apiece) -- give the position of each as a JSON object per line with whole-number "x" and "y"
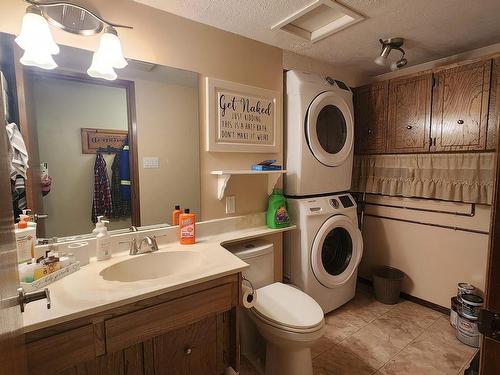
{"x": 289, "y": 320}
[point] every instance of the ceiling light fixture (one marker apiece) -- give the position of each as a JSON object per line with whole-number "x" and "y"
{"x": 386, "y": 47}
{"x": 38, "y": 45}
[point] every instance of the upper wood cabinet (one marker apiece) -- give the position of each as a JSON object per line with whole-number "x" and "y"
{"x": 370, "y": 117}
{"x": 460, "y": 107}
{"x": 409, "y": 118}
{"x": 491, "y": 133}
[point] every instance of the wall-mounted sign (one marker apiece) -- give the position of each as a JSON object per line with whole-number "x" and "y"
{"x": 242, "y": 118}
{"x": 97, "y": 140}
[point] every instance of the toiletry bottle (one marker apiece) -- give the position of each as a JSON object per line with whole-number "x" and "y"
{"x": 175, "y": 214}
{"x": 24, "y": 241}
{"x": 98, "y": 226}
{"x": 103, "y": 242}
{"x": 277, "y": 211}
{"x": 187, "y": 235}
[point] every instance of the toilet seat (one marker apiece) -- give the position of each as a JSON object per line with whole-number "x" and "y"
{"x": 287, "y": 308}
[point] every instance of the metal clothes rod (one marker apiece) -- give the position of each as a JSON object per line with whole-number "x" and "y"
{"x": 429, "y": 224}
{"x": 471, "y": 214}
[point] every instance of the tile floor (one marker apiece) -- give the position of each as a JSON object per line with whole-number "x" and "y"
{"x": 368, "y": 337}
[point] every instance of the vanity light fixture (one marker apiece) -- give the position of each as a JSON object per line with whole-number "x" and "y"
{"x": 39, "y": 46}
{"x": 387, "y": 46}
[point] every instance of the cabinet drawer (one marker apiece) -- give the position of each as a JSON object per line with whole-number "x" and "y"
{"x": 139, "y": 326}
{"x": 61, "y": 351}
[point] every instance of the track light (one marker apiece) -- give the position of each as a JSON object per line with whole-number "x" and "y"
{"x": 387, "y": 46}
{"x": 39, "y": 46}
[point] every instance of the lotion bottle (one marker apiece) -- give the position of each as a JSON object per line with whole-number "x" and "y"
{"x": 103, "y": 242}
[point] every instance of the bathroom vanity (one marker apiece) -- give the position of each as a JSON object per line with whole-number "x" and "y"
{"x": 193, "y": 330}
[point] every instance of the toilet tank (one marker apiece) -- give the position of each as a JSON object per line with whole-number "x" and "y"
{"x": 259, "y": 254}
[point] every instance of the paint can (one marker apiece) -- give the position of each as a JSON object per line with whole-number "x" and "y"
{"x": 455, "y": 305}
{"x": 467, "y": 331}
{"x": 471, "y": 305}
{"x": 465, "y": 288}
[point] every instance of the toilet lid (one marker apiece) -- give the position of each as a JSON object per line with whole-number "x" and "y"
{"x": 288, "y": 306}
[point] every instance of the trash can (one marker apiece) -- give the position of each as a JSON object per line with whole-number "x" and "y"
{"x": 387, "y": 283}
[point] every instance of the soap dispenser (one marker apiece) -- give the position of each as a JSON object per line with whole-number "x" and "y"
{"x": 103, "y": 240}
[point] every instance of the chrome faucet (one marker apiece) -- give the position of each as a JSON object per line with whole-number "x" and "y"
{"x": 150, "y": 242}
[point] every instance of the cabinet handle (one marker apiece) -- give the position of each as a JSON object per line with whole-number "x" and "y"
{"x": 370, "y": 132}
{"x": 409, "y": 127}
{"x": 460, "y": 122}
{"x": 187, "y": 351}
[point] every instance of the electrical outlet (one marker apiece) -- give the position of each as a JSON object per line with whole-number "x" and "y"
{"x": 230, "y": 204}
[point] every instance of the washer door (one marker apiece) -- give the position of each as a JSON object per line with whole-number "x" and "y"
{"x": 336, "y": 251}
{"x": 329, "y": 129}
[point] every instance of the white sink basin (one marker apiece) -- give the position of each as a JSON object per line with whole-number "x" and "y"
{"x": 151, "y": 266}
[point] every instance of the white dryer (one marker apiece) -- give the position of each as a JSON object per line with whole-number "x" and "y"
{"x": 322, "y": 256}
{"x": 320, "y": 135}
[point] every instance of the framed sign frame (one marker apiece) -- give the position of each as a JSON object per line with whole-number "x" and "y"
{"x": 241, "y": 118}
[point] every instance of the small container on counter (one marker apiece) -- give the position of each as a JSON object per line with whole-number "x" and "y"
{"x": 465, "y": 288}
{"x": 468, "y": 331}
{"x": 471, "y": 305}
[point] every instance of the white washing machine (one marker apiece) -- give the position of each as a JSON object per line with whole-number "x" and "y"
{"x": 320, "y": 135}
{"x": 322, "y": 256}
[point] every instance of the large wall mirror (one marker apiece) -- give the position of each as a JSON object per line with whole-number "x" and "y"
{"x": 126, "y": 149}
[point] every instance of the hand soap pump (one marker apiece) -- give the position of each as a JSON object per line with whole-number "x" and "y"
{"x": 103, "y": 240}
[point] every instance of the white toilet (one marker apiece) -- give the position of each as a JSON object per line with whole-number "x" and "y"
{"x": 289, "y": 320}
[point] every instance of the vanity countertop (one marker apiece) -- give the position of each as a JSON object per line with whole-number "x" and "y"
{"x": 85, "y": 292}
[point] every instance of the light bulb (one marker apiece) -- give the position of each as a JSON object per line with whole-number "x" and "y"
{"x": 381, "y": 60}
{"x": 35, "y": 32}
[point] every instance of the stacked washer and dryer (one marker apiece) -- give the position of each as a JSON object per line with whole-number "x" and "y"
{"x": 322, "y": 256}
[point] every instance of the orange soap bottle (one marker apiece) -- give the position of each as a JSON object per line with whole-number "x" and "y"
{"x": 187, "y": 234}
{"x": 175, "y": 214}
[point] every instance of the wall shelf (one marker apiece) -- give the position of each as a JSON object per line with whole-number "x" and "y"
{"x": 223, "y": 177}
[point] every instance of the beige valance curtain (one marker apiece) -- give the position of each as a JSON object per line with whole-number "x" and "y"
{"x": 455, "y": 177}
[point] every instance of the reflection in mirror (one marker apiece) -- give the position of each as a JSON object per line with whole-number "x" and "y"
{"x": 127, "y": 149}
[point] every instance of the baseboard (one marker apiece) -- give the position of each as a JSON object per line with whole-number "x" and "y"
{"x": 414, "y": 299}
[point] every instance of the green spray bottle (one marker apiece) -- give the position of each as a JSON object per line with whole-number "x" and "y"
{"x": 277, "y": 211}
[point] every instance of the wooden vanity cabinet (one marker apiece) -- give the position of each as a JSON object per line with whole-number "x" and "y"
{"x": 492, "y": 131}
{"x": 189, "y": 331}
{"x": 370, "y": 117}
{"x": 409, "y": 117}
{"x": 460, "y": 107}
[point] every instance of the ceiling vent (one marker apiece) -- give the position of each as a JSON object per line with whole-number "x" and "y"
{"x": 318, "y": 20}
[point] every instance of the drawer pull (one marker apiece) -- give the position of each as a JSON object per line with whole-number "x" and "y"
{"x": 370, "y": 132}
{"x": 188, "y": 351}
{"x": 460, "y": 122}
{"x": 409, "y": 127}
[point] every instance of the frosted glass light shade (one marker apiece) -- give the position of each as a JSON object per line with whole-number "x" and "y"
{"x": 110, "y": 50}
{"x": 381, "y": 60}
{"x": 101, "y": 69}
{"x": 35, "y": 34}
{"x": 38, "y": 57}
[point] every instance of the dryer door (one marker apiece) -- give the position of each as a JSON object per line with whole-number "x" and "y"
{"x": 329, "y": 129}
{"x": 336, "y": 251}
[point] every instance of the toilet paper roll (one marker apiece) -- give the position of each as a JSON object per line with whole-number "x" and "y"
{"x": 249, "y": 297}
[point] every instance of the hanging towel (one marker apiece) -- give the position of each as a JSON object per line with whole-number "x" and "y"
{"x": 5, "y": 96}
{"x": 125, "y": 172}
{"x": 101, "y": 203}
{"x": 121, "y": 208}
{"x": 18, "y": 152}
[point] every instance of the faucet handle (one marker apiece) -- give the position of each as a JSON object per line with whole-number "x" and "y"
{"x": 133, "y": 246}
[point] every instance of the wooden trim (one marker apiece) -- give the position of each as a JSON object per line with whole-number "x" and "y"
{"x": 129, "y": 87}
{"x": 409, "y": 297}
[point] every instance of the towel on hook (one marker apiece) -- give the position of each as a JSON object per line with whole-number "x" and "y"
{"x": 101, "y": 203}
{"x": 18, "y": 152}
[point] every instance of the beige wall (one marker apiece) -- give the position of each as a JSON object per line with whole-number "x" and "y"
{"x": 61, "y": 109}
{"x": 170, "y": 40}
{"x": 434, "y": 259}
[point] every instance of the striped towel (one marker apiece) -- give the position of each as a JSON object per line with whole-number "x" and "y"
{"x": 18, "y": 152}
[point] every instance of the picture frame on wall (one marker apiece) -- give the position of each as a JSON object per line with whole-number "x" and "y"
{"x": 242, "y": 118}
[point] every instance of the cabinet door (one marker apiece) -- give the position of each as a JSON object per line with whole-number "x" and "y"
{"x": 409, "y": 117}
{"x": 188, "y": 350}
{"x": 460, "y": 107}
{"x": 370, "y": 116}
{"x": 491, "y": 134}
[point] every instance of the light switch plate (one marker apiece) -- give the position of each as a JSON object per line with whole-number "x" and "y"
{"x": 151, "y": 162}
{"x": 230, "y": 204}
